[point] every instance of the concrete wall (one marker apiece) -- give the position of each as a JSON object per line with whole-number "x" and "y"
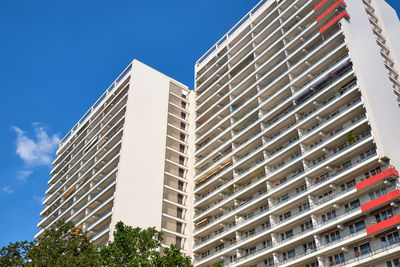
{"x": 139, "y": 190}
{"x": 391, "y": 26}
{"x": 376, "y": 89}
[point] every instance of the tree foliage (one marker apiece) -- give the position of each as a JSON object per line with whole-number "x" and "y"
{"x": 140, "y": 247}
{"x": 66, "y": 245}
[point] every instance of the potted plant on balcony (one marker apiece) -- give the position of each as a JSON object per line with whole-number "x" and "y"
{"x": 351, "y": 138}
{"x": 332, "y": 263}
{"x": 357, "y": 254}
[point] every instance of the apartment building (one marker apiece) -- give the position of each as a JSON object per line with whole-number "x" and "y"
{"x": 297, "y": 138}
{"x": 128, "y": 159}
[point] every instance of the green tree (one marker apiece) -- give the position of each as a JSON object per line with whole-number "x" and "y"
{"x": 14, "y": 254}
{"x": 133, "y": 247}
{"x": 65, "y": 245}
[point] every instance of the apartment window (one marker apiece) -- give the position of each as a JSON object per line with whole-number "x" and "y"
{"x": 250, "y": 233}
{"x": 180, "y": 199}
{"x": 265, "y": 225}
{"x": 300, "y": 189}
{"x": 232, "y": 258}
{"x": 373, "y": 172}
{"x": 288, "y": 255}
{"x": 304, "y": 207}
{"x": 267, "y": 243}
{"x": 336, "y": 259}
{"x": 183, "y": 126}
{"x": 287, "y": 234}
{"x": 220, "y": 247}
{"x": 352, "y": 205}
{"x": 217, "y": 232}
{"x": 283, "y": 198}
{"x": 182, "y": 148}
{"x": 205, "y": 238}
{"x": 181, "y": 172}
{"x": 314, "y": 264}
{"x": 205, "y": 254}
{"x": 179, "y": 227}
{"x": 393, "y": 263}
{"x": 329, "y": 216}
{"x": 183, "y": 115}
{"x": 180, "y": 185}
{"x": 362, "y": 249}
{"x": 179, "y": 212}
{"x": 358, "y": 226}
{"x": 309, "y": 246}
{"x": 332, "y": 236}
{"x": 306, "y": 226}
{"x": 348, "y": 185}
{"x": 325, "y": 195}
{"x": 182, "y": 137}
{"x": 377, "y": 193}
{"x": 183, "y": 104}
{"x": 390, "y": 239}
{"x": 251, "y": 250}
{"x": 285, "y": 216}
{"x": 181, "y": 160}
{"x": 179, "y": 242}
{"x": 269, "y": 262}
{"x": 384, "y": 215}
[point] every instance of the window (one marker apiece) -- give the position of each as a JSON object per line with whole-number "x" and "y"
{"x": 309, "y": 246}
{"x": 205, "y": 254}
{"x": 265, "y": 225}
{"x": 348, "y": 185}
{"x": 205, "y": 238}
{"x": 182, "y": 148}
{"x": 181, "y": 172}
{"x": 250, "y": 233}
{"x": 325, "y": 195}
{"x": 372, "y": 172}
{"x": 251, "y": 250}
{"x": 269, "y": 262}
{"x": 362, "y": 249}
{"x": 358, "y": 226}
{"x": 337, "y": 258}
{"x": 390, "y": 239}
{"x": 283, "y": 198}
{"x": 384, "y": 215}
{"x": 304, "y": 207}
{"x": 183, "y": 115}
{"x": 183, "y": 126}
{"x": 179, "y": 242}
{"x": 377, "y": 193}
{"x": 332, "y": 236}
{"x": 179, "y": 212}
{"x": 267, "y": 243}
{"x": 220, "y": 247}
{"x": 352, "y": 205}
{"x": 285, "y": 216}
{"x": 314, "y": 264}
{"x": 393, "y": 263}
{"x": 233, "y": 258}
{"x": 179, "y": 227}
{"x": 305, "y": 226}
{"x": 182, "y": 137}
{"x": 288, "y": 255}
{"x": 183, "y": 104}
{"x": 287, "y": 234}
{"x": 180, "y": 199}
{"x": 180, "y": 185}
{"x": 300, "y": 189}
{"x": 181, "y": 160}
{"x": 329, "y": 216}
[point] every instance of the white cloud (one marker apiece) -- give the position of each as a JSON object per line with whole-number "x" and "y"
{"x": 8, "y": 189}
{"x": 39, "y": 199}
{"x": 23, "y": 174}
{"x": 39, "y": 151}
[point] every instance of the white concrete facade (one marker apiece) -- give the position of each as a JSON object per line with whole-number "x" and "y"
{"x": 127, "y": 160}
{"x": 297, "y": 138}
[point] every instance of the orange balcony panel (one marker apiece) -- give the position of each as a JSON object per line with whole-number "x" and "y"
{"x": 343, "y": 14}
{"x": 329, "y": 10}
{"x": 383, "y": 225}
{"x": 381, "y": 200}
{"x": 380, "y": 176}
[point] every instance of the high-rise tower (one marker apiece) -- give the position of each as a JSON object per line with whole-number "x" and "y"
{"x": 128, "y": 159}
{"x": 297, "y": 138}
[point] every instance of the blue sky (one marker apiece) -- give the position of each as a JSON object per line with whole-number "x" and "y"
{"x": 57, "y": 57}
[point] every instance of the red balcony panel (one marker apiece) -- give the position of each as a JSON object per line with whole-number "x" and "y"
{"x": 380, "y": 176}
{"x": 320, "y": 5}
{"x": 334, "y": 20}
{"x": 329, "y": 10}
{"x": 383, "y": 225}
{"x": 381, "y": 200}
